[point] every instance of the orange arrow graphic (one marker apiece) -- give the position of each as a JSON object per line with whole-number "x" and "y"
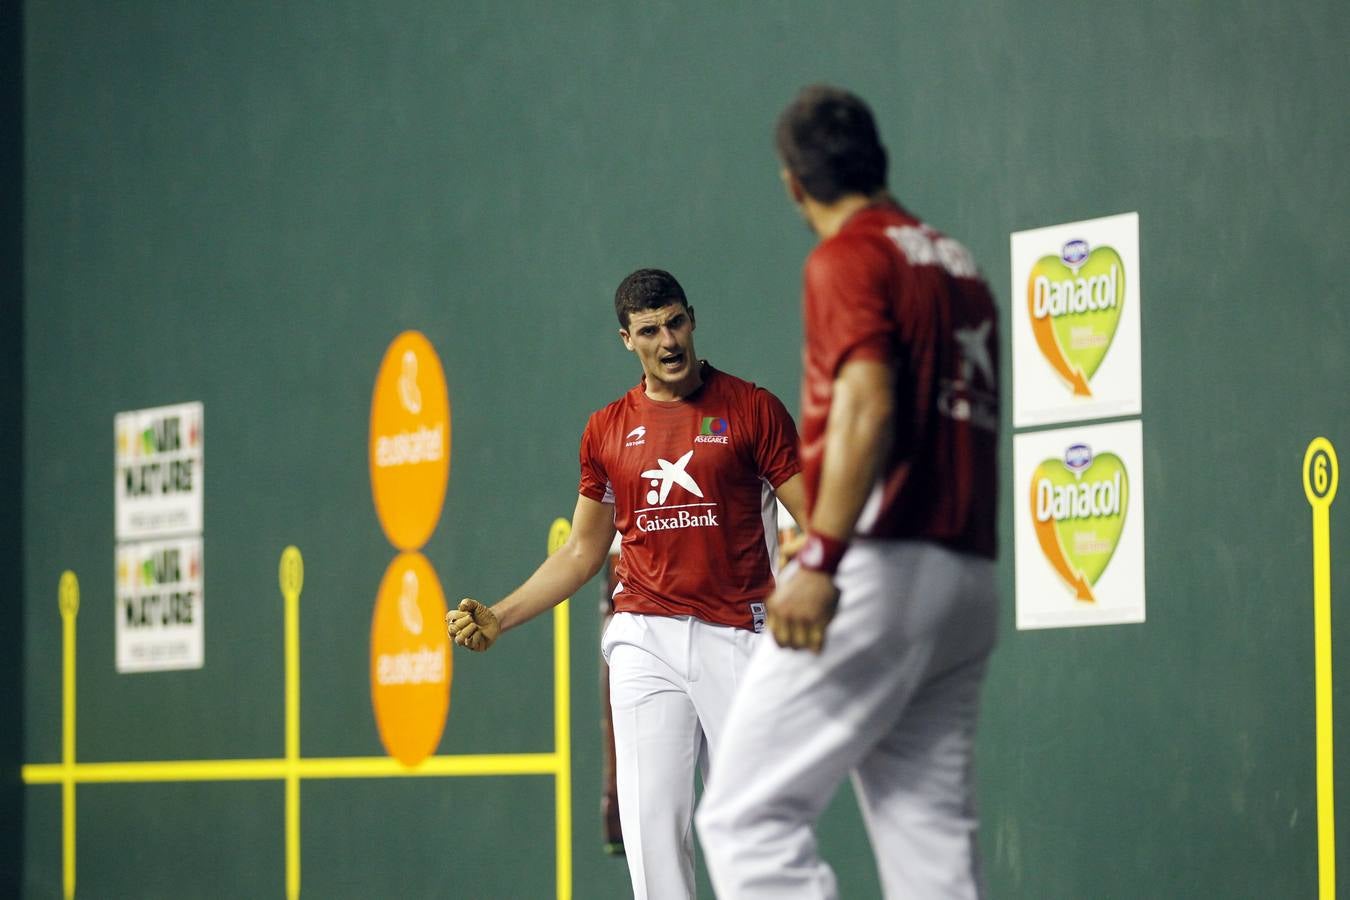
{"x": 1050, "y": 348}
{"x": 1054, "y": 552}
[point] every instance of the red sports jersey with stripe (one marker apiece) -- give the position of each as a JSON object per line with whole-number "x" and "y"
{"x": 888, "y": 287}
{"x": 691, "y": 484}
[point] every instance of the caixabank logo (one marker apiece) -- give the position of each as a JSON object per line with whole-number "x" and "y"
{"x": 658, "y": 516}
{"x": 1080, "y": 529}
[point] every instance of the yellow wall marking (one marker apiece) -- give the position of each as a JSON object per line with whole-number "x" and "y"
{"x": 1321, "y": 473}
{"x": 277, "y": 769}
{"x": 558, "y": 534}
{"x": 292, "y": 768}
{"x": 68, "y": 598}
{"x": 291, "y": 574}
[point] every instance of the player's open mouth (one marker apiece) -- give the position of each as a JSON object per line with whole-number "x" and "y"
{"x": 674, "y": 361}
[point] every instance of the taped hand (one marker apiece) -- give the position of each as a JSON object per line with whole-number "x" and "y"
{"x": 473, "y": 625}
{"x": 800, "y": 609}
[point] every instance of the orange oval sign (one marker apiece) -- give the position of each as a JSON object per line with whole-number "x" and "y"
{"x": 409, "y": 441}
{"x": 410, "y": 661}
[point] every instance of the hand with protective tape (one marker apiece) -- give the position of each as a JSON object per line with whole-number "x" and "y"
{"x": 473, "y": 625}
{"x": 801, "y": 608}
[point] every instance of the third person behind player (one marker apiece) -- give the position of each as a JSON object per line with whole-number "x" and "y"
{"x": 684, "y": 466}
{"x": 886, "y": 624}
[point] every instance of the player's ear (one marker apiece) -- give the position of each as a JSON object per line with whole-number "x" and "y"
{"x": 793, "y": 186}
{"x": 627, "y": 340}
{"x": 692, "y": 321}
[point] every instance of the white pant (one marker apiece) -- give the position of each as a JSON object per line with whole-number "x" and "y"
{"x": 893, "y": 699}
{"x": 671, "y": 680}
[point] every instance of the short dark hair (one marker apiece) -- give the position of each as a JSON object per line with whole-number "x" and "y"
{"x": 646, "y": 289}
{"x": 828, "y": 139}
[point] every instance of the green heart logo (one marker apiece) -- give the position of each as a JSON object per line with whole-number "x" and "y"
{"x": 1075, "y": 312}
{"x": 1079, "y": 516}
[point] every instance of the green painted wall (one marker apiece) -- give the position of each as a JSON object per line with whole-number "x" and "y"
{"x": 11, "y": 444}
{"x": 244, "y": 204}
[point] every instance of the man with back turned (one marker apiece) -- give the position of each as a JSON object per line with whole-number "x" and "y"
{"x": 883, "y": 631}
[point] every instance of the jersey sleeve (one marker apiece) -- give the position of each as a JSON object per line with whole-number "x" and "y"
{"x": 594, "y": 480}
{"x": 775, "y": 445}
{"x": 848, "y": 308}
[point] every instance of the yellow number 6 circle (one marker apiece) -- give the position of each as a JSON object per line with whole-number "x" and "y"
{"x": 1321, "y": 472}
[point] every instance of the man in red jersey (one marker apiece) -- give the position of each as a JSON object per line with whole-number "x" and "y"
{"x": 900, "y": 425}
{"x": 685, "y": 466}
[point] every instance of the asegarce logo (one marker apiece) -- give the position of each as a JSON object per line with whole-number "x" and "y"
{"x": 664, "y": 478}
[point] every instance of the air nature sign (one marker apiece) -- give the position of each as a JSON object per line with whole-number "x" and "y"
{"x": 158, "y": 485}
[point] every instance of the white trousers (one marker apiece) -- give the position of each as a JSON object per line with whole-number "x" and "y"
{"x": 671, "y": 680}
{"x": 893, "y": 700}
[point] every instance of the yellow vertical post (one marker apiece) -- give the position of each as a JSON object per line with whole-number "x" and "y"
{"x": 68, "y": 600}
{"x": 292, "y": 576}
{"x": 1321, "y": 473}
{"x": 562, "y": 723}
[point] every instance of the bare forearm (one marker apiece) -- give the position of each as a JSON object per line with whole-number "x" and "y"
{"x": 793, "y": 494}
{"x": 856, "y": 439}
{"x": 559, "y": 577}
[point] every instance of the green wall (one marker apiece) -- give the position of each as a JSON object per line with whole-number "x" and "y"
{"x": 11, "y": 444}
{"x": 243, "y": 204}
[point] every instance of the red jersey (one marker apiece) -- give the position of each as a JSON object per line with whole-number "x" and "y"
{"x": 890, "y": 288}
{"x": 691, "y": 484}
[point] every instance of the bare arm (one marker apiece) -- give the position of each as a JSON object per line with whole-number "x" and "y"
{"x": 793, "y": 494}
{"x": 476, "y": 626}
{"x": 855, "y": 442}
{"x": 559, "y": 576}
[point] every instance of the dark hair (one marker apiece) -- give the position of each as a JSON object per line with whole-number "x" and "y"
{"x": 828, "y": 139}
{"x": 646, "y": 289}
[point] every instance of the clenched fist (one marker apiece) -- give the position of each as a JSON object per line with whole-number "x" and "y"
{"x": 473, "y": 625}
